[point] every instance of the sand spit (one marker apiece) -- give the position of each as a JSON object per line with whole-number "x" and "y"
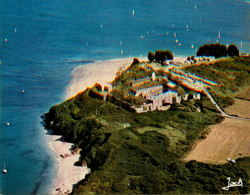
{"x": 87, "y": 75}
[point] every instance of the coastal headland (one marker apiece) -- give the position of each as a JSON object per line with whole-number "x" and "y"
{"x": 142, "y": 152}
{"x": 83, "y": 77}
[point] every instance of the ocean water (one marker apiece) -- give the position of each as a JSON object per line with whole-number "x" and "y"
{"x": 40, "y": 39}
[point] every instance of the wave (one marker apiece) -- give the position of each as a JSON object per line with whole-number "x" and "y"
{"x": 81, "y": 61}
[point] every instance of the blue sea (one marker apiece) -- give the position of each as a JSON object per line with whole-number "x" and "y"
{"x": 40, "y": 39}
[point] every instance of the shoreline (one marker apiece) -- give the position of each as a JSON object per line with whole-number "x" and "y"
{"x": 84, "y": 76}
{"x": 67, "y": 173}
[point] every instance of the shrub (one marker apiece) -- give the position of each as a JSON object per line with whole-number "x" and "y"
{"x": 135, "y": 61}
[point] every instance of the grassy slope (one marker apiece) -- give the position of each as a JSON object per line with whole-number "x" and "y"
{"x": 141, "y": 153}
{"x": 233, "y": 75}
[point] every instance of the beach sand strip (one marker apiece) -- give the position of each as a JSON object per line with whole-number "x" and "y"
{"x": 68, "y": 174}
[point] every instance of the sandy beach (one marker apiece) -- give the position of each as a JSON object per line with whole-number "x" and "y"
{"x": 68, "y": 174}
{"x": 87, "y": 75}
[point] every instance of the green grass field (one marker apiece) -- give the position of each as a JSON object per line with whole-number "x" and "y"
{"x": 232, "y": 74}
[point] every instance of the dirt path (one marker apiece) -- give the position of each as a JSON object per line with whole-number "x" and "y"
{"x": 229, "y": 139}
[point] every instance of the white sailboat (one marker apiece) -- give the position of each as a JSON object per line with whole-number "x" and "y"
{"x": 4, "y": 169}
{"x": 219, "y": 35}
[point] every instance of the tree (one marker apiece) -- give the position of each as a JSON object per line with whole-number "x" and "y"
{"x": 159, "y": 56}
{"x": 233, "y": 50}
{"x": 151, "y": 56}
{"x": 169, "y": 55}
{"x": 203, "y": 50}
{"x": 223, "y": 50}
{"x": 162, "y": 55}
{"x": 216, "y": 50}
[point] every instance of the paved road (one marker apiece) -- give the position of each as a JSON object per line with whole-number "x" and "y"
{"x": 219, "y": 108}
